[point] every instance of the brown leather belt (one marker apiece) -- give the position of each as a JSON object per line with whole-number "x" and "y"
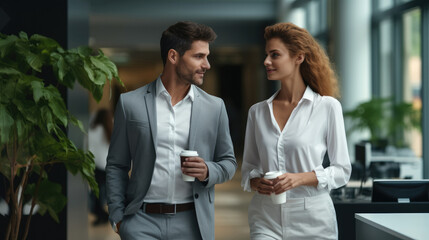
{"x": 163, "y": 208}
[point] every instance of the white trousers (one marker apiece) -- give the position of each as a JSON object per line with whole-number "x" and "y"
{"x": 299, "y": 218}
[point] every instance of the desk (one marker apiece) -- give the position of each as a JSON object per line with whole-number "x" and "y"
{"x": 388, "y": 226}
{"x": 410, "y": 166}
{"x": 346, "y": 213}
{"x": 357, "y": 184}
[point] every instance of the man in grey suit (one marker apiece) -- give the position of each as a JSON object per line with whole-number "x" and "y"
{"x": 153, "y": 124}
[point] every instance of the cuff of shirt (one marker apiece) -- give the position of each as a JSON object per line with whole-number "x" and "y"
{"x": 322, "y": 178}
{"x": 245, "y": 183}
{"x": 115, "y": 227}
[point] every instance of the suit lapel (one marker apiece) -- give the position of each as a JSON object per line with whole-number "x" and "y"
{"x": 196, "y": 109}
{"x": 151, "y": 110}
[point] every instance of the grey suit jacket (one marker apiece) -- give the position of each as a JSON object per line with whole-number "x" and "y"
{"x": 133, "y": 143}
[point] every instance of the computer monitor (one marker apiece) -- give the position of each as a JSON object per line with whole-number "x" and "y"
{"x": 401, "y": 190}
{"x": 363, "y": 159}
{"x": 363, "y": 154}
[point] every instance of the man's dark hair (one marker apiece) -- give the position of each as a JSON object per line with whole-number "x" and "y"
{"x": 181, "y": 35}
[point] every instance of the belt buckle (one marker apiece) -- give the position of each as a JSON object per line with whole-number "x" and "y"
{"x": 174, "y": 206}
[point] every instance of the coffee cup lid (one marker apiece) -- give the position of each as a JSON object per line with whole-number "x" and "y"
{"x": 189, "y": 153}
{"x": 272, "y": 174}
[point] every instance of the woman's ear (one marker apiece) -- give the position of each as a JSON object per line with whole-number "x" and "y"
{"x": 300, "y": 58}
{"x": 172, "y": 56}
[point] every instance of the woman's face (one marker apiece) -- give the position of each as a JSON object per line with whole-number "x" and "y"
{"x": 278, "y": 63}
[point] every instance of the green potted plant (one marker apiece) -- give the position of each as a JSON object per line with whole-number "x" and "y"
{"x": 384, "y": 119}
{"x": 371, "y": 116}
{"x": 404, "y": 117}
{"x": 33, "y": 119}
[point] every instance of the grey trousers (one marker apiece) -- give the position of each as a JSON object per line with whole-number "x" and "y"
{"x": 182, "y": 225}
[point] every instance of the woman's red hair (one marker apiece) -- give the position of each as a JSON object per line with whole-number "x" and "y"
{"x": 316, "y": 69}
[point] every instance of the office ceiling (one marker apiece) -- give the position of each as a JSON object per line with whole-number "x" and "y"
{"x": 138, "y": 24}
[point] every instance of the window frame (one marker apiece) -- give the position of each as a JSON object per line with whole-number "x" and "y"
{"x": 396, "y": 13}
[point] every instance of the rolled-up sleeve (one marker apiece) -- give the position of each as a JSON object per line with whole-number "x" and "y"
{"x": 339, "y": 171}
{"x": 251, "y": 167}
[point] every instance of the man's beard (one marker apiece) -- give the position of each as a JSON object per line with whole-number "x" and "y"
{"x": 189, "y": 78}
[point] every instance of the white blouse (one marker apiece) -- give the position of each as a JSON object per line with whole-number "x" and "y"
{"x": 315, "y": 126}
{"x": 99, "y": 146}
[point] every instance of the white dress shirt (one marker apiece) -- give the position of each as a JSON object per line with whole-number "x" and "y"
{"x": 315, "y": 126}
{"x": 173, "y": 124}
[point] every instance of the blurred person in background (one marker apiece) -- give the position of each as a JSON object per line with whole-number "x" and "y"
{"x": 291, "y": 132}
{"x": 99, "y": 134}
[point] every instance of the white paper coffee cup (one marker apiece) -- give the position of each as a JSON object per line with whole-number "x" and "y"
{"x": 276, "y": 198}
{"x": 184, "y": 154}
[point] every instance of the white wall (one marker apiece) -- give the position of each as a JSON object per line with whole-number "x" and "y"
{"x": 351, "y": 45}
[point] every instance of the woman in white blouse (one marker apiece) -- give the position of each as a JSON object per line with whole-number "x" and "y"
{"x": 291, "y": 132}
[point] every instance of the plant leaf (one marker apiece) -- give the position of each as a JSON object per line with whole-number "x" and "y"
{"x": 100, "y": 78}
{"x": 77, "y": 123}
{"x": 106, "y": 69}
{"x": 60, "y": 67}
{"x": 9, "y": 71}
{"x": 49, "y": 197}
{"x": 89, "y": 71}
{"x": 35, "y": 61}
{"x": 56, "y": 103}
{"x": 6, "y": 123}
{"x": 45, "y": 43}
{"x": 7, "y": 44}
{"x": 23, "y": 35}
{"x": 83, "y": 51}
{"x": 8, "y": 83}
{"x": 37, "y": 90}
{"x": 4, "y": 166}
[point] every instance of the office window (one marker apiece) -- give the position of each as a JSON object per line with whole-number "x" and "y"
{"x": 385, "y": 4}
{"x": 386, "y": 54}
{"x": 412, "y": 71}
{"x": 400, "y": 70}
{"x": 404, "y": 1}
{"x": 400, "y": 47}
{"x": 313, "y": 16}
{"x": 298, "y": 17}
{"x": 313, "y": 13}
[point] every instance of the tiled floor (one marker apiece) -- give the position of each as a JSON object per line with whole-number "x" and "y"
{"x": 101, "y": 232}
{"x": 231, "y": 204}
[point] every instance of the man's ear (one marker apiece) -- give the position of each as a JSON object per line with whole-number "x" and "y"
{"x": 172, "y": 56}
{"x": 300, "y": 58}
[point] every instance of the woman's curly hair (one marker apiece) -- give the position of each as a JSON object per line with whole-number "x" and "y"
{"x": 316, "y": 69}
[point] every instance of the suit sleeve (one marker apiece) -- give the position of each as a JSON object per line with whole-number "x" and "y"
{"x": 224, "y": 164}
{"x": 118, "y": 165}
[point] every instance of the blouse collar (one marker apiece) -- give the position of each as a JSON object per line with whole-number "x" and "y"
{"x": 308, "y": 95}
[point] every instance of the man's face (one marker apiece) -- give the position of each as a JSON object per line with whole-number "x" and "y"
{"x": 194, "y": 63}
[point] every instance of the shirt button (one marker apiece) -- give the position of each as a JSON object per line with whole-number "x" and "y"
{"x": 196, "y": 195}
